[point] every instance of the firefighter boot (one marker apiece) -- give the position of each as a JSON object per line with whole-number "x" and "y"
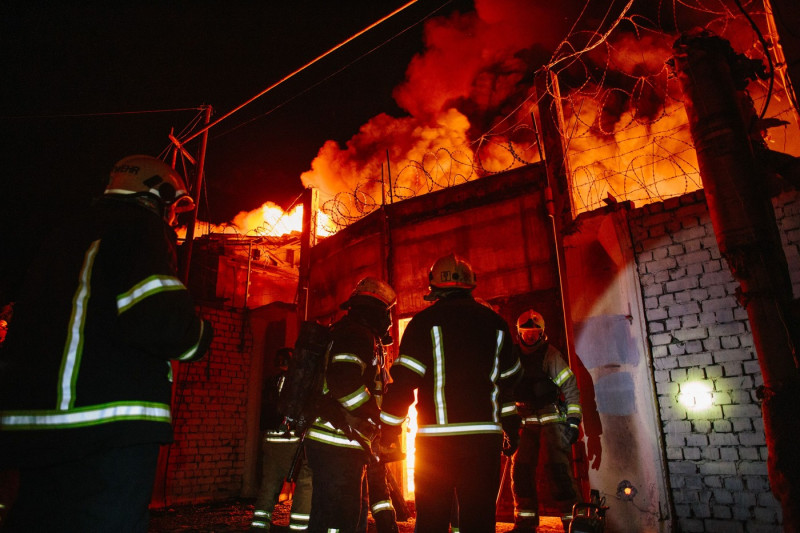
{"x": 525, "y": 521}
{"x": 385, "y": 521}
{"x": 262, "y": 521}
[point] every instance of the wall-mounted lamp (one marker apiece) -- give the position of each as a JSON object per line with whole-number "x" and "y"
{"x": 626, "y": 491}
{"x": 696, "y": 395}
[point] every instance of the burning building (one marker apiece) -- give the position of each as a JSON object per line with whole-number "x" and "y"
{"x": 652, "y": 317}
{"x": 641, "y": 299}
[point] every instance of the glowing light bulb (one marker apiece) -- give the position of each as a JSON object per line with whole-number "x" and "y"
{"x": 696, "y": 395}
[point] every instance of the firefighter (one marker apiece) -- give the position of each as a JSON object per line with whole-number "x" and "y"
{"x": 338, "y": 443}
{"x": 279, "y": 444}
{"x": 457, "y": 355}
{"x": 85, "y": 387}
{"x": 548, "y": 402}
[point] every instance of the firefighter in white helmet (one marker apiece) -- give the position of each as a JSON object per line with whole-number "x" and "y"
{"x": 548, "y": 402}
{"x": 151, "y": 183}
{"x": 457, "y": 355}
{"x": 85, "y": 387}
{"x": 338, "y": 443}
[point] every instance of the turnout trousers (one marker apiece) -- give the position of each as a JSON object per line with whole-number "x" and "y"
{"x": 105, "y": 491}
{"x": 278, "y": 457}
{"x": 465, "y": 467}
{"x": 377, "y": 499}
{"x": 557, "y": 467}
{"x": 337, "y": 474}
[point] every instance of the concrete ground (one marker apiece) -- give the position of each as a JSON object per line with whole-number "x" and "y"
{"x": 235, "y": 515}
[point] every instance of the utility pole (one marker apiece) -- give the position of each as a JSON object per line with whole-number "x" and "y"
{"x": 307, "y": 241}
{"x": 711, "y": 76}
{"x": 196, "y": 192}
{"x": 561, "y": 214}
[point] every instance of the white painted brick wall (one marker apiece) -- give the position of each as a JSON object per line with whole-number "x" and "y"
{"x": 698, "y": 332}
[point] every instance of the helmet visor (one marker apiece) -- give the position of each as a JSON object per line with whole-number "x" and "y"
{"x": 529, "y": 336}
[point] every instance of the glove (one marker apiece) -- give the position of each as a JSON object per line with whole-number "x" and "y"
{"x": 572, "y": 430}
{"x": 510, "y": 444}
{"x": 389, "y": 447}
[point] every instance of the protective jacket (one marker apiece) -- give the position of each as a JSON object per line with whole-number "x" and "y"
{"x": 546, "y": 396}
{"x": 458, "y": 354}
{"x": 545, "y": 378}
{"x": 353, "y": 371}
{"x": 86, "y": 363}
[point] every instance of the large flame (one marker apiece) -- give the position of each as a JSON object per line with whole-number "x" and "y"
{"x": 268, "y": 220}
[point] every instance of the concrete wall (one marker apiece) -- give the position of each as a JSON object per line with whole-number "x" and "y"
{"x": 621, "y": 429}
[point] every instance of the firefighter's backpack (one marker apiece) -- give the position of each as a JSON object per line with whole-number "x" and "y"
{"x": 303, "y": 387}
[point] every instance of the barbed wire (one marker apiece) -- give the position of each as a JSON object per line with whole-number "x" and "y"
{"x": 625, "y": 128}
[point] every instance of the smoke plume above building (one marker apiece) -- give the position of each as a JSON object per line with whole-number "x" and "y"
{"x": 469, "y": 102}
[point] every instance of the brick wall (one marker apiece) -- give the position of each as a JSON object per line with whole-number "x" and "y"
{"x": 206, "y": 461}
{"x": 698, "y": 332}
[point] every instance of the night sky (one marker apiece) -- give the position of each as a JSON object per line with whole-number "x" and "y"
{"x": 85, "y": 84}
{"x": 78, "y": 75}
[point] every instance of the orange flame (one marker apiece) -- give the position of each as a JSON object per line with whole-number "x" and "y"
{"x": 268, "y": 220}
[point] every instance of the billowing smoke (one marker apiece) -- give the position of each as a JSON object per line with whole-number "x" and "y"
{"x": 475, "y": 67}
{"x": 469, "y": 93}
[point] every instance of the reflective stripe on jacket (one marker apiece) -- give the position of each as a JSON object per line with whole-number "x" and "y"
{"x": 96, "y": 322}
{"x": 555, "y": 368}
{"x": 457, "y": 355}
{"x": 350, "y": 379}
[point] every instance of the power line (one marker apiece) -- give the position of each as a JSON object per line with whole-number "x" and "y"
{"x": 297, "y": 71}
{"x": 103, "y": 114}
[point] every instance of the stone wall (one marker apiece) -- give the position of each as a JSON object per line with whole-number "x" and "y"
{"x": 699, "y": 333}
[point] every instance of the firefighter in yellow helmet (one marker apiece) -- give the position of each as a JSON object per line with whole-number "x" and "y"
{"x": 548, "y": 402}
{"x": 457, "y": 355}
{"x": 86, "y": 386}
{"x": 338, "y": 443}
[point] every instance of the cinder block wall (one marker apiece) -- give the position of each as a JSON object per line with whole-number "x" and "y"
{"x": 699, "y": 332}
{"x": 206, "y": 461}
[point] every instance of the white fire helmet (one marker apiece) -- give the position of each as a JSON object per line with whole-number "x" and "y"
{"x": 450, "y": 272}
{"x": 375, "y": 288}
{"x": 144, "y": 175}
{"x": 530, "y": 327}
